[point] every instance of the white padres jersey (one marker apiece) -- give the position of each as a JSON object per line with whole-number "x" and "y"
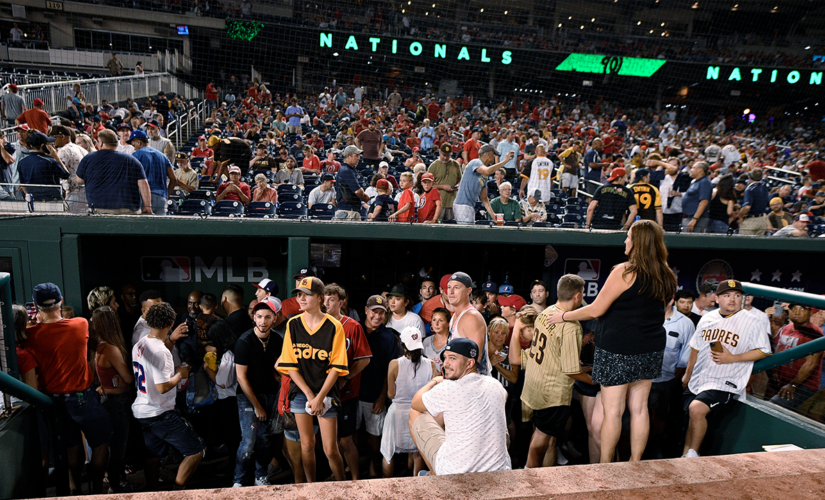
{"x": 739, "y": 333}
{"x": 152, "y": 363}
{"x": 541, "y": 178}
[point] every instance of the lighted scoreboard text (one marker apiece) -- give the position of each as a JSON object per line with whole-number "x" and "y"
{"x": 415, "y": 48}
{"x": 759, "y": 75}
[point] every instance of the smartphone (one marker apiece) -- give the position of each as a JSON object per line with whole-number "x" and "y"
{"x": 716, "y": 347}
{"x": 31, "y": 310}
{"x": 779, "y": 312}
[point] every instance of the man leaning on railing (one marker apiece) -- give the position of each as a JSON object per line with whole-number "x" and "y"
{"x": 42, "y": 168}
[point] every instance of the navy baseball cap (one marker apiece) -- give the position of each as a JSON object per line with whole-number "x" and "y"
{"x": 267, "y": 284}
{"x": 463, "y": 346}
{"x": 124, "y": 125}
{"x": 138, "y": 134}
{"x": 462, "y": 278}
{"x": 303, "y": 273}
{"x": 327, "y": 177}
{"x": 46, "y": 294}
{"x": 38, "y": 139}
{"x": 490, "y": 286}
{"x": 153, "y": 123}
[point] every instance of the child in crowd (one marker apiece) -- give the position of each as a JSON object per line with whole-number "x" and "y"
{"x": 383, "y": 205}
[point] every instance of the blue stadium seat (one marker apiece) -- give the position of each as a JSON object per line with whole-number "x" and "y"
{"x": 322, "y": 211}
{"x": 195, "y": 207}
{"x": 202, "y": 194}
{"x": 572, "y": 217}
{"x": 290, "y": 197}
{"x": 289, "y": 189}
{"x": 172, "y": 206}
{"x": 262, "y": 210}
{"x": 292, "y": 210}
{"x": 228, "y": 208}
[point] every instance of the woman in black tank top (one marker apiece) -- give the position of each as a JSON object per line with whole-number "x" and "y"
{"x": 721, "y": 205}
{"x": 630, "y": 336}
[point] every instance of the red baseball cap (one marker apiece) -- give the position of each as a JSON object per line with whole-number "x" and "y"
{"x": 12, "y": 86}
{"x": 37, "y": 102}
{"x": 24, "y": 127}
{"x": 382, "y": 184}
{"x": 616, "y": 173}
{"x": 444, "y": 281}
{"x": 427, "y": 177}
{"x": 515, "y": 301}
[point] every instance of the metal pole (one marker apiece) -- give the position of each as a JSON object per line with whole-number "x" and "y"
{"x": 794, "y": 297}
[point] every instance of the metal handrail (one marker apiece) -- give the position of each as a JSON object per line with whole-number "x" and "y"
{"x": 792, "y": 296}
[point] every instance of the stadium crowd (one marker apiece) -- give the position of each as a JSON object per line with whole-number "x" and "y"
{"x": 571, "y": 163}
{"x": 454, "y": 376}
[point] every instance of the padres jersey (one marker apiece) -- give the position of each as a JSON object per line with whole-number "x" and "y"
{"x": 541, "y": 178}
{"x": 647, "y": 200}
{"x": 739, "y": 333}
{"x": 553, "y": 354}
{"x": 314, "y": 353}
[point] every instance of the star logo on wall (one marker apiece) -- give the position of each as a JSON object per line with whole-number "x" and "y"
{"x": 797, "y": 276}
{"x": 777, "y": 275}
{"x": 756, "y": 275}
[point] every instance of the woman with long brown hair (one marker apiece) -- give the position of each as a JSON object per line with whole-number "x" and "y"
{"x": 630, "y": 337}
{"x": 114, "y": 371}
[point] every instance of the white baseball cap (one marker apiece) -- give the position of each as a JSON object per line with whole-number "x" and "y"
{"x": 411, "y": 337}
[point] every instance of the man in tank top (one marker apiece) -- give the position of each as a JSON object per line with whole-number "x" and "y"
{"x": 467, "y": 322}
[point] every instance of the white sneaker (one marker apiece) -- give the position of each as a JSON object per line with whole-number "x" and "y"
{"x": 261, "y": 481}
{"x": 237, "y": 485}
{"x": 691, "y": 453}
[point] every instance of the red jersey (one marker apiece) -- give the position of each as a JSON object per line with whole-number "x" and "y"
{"x": 432, "y": 111}
{"x": 290, "y": 307}
{"x": 471, "y": 147}
{"x": 233, "y": 195}
{"x": 60, "y": 351}
{"x": 37, "y": 119}
{"x": 789, "y": 337}
{"x": 427, "y": 203}
{"x": 211, "y": 93}
{"x": 203, "y": 153}
{"x": 406, "y": 197}
{"x": 357, "y": 348}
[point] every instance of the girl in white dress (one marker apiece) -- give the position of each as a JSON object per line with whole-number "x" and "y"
{"x": 405, "y": 377}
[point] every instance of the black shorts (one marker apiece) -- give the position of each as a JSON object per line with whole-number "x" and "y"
{"x": 712, "y": 398}
{"x": 584, "y": 389}
{"x": 347, "y": 418}
{"x": 552, "y": 421}
{"x": 170, "y": 428}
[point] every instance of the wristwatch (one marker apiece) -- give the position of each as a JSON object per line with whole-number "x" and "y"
{"x": 793, "y": 385}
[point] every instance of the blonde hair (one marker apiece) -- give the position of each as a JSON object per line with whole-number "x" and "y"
{"x": 407, "y": 175}
{"x": 497, "y": 322}
{"x": 527, "y": 315}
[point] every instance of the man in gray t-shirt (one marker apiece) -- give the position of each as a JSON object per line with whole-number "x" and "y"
{"x": 11, "y": 104}
{"x": 473, "y": 185}
{"x": 324, "y": 193}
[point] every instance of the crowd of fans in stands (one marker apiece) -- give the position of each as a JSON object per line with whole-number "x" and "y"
{"x": 573, "y": 163}
{"x": 240, "y": 381}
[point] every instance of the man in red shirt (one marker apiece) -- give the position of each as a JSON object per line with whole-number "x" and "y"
{"x": 358, "y": 357}
{"x": 59, "y": 347}
{"x": 433, "y": 109}
{"x": 797, "y": 380}
{"x": 203, "y": 150}
{"x": 472, "y": 146}
{"x": 817, "y": 169}
{"x": 211, "y": 95}
{"x": 234, "y": 189}
{"x": 36, "y": 118}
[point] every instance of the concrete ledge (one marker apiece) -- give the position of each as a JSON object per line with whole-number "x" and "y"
{"x": 781, "y": 475}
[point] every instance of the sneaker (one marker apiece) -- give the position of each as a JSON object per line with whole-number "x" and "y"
{"x": 261, "y": 481}
{"x": 691, "y": 453}
{"x": 560, "y": 458}
{"x": 423, "y": 473}
{"x": 237, "y": 485}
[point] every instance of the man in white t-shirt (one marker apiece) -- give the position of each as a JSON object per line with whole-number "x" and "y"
{"x": 154, "y": 407}
{"x": 458, "y": 421}
{"x": 401, "y": 317}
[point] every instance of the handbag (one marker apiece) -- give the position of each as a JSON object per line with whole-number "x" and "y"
{"x": 287, "y": 417}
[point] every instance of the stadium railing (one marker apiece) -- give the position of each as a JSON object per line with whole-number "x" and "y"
{"x": 29, "y": 198}
{"x": 112, "y": 89}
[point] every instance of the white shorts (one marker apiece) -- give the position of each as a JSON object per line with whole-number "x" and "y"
{"x": 464, "y": 214}
{"x": 375, "y": 423}
{"x": 569, "y": 180}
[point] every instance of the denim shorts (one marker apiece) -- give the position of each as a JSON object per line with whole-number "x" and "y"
{"x": 170, "y": 428}
{"x": 299, "y": 402}
{"x": 295, "y": 436}
{"x": 82, "y": 411}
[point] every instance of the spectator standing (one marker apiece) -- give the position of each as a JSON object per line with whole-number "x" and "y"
{"x": 12, "y": 105}
{"x": 648, "y": 201}
{"x": 350, "y": 194}
{"x": 36, "y": 118}
{"x": 158, "y": 142}
{"x": 124, "y": 131}
{"x": 372, "y": 397}
{"x": 314, "y": 385}
{"x": 752, "y": 218}
{"x": 472, "y": 186}
{"x": 684, "y": 304}
{"x": 611, "y": 202}
{"x": 59, "y": 347}
{"x": 721, "y": 205}
{"x": 427, "y": 136}
{"x": 458, "y": 421}
{"x": 370, "y": 142}
{"x": 256, "y": 352}
{"x": 406, "y": 375}
{"x": 540, "y": 178}
{"x": 16, "y": 35}
{"x": 406, "y": 201}
{"x": 569, "y": 168}
{"x": 70, "y": 155}
{"x": 797, "y": 380}
{"x": 440, "y": 335}
{"x": 42, "y": 166}
{"x": 739, "y": 340}
{"x": 630, "y": 339}
{"x": 114, "y": 66}
{"x": 447, "y": 175}
{"x": 401, "y": 317}
{"x": 467, "y": 322}
{"x": 154, "y": 406}
{"x": 695, "y": 201}
{"x": 593, "y": 165}
{"x": 471, "y": 146}
{"x": 505, "y": 147}
{"x": 158, "y": 169}
{"x": 294, "y": 113}
{"x": 429, "y": 200}
{"x": 116, "y": 379}
{"x": 115, "y": 183}
{"x": 211, "y": 95}
{"x": 359, "y": 356}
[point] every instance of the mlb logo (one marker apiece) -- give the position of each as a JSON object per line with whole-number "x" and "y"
{"x": 166, "y": 269}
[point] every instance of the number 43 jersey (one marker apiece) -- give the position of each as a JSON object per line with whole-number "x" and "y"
{"x": 153, "y": 364}
{"x": 553, "y": 355}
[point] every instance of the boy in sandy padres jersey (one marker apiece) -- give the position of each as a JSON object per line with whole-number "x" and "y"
{"x": 726, "y": 343}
